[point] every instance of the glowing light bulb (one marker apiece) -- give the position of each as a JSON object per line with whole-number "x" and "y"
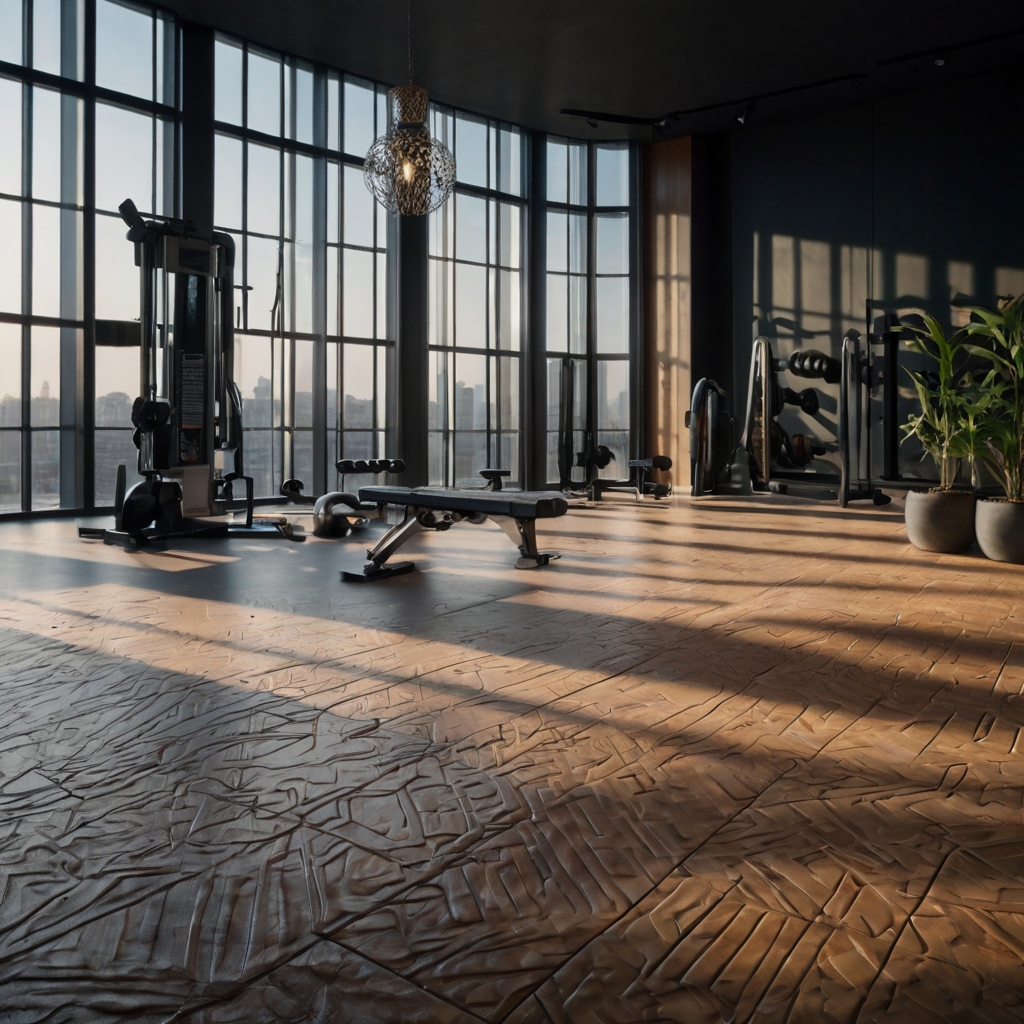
{"x": 408, "y": 170}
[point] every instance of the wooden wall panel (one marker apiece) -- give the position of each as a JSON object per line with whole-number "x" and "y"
{"x": 667, "y": 302}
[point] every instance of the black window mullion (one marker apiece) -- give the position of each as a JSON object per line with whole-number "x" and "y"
{"x": 26, "y": 278}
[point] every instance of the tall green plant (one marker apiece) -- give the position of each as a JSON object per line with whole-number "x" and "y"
{"x": 1000, "y": 441}
{"x": 946, "y": 424}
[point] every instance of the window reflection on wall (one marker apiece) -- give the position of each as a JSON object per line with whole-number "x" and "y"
{"x": 475, "y": 302}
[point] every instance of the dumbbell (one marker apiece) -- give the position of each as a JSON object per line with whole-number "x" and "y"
{"x": 345, "y": 466}
{"x": 806, "y": 399}
{"x": 812, "y": 363}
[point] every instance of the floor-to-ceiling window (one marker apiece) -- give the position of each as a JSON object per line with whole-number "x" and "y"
{"x": 311, "y": 263}
{"x": 476, "y": 267}
{"x": 41, "y": 228}
{"x": 590, "y": 301}
{"x": 135, "y": 159}
{"x": 90, "y": 115}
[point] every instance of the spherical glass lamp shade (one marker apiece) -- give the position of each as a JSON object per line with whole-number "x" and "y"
{"x": 407, "y": 170}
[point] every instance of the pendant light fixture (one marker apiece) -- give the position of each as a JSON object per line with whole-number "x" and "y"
{"x": 408, "y": 170}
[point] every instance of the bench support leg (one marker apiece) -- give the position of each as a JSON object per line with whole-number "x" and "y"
{"x": 523, "y": 533}
{"x": 375, "y": 569}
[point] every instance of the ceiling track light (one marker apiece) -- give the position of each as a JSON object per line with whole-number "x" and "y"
{"x": 409, "y": 171}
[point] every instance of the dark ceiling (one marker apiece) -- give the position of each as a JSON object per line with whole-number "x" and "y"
{"x": 526, "y": 60}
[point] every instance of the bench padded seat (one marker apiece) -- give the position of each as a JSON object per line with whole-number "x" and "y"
{"x": 516, "y": 504}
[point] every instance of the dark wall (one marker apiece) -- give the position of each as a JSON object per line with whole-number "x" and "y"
{"x": 903, "y": 202}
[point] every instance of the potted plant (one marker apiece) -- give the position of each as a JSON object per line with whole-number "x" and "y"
{"x": 941, "y": 518}
{"x": 998, "y": 338}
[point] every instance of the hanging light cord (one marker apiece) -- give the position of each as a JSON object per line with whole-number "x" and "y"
{"x": 410, "y": 42}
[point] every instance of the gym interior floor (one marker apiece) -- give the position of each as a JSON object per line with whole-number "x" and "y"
{"x": 731, "y": 761}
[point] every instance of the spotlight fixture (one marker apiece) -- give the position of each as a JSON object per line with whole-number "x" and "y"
{"x": 591, "y": 122}
{"x": 744, "y": 112}
{"x": 407, "y": 170}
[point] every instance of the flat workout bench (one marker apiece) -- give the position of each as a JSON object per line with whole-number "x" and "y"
{"x": 427, "y": 508}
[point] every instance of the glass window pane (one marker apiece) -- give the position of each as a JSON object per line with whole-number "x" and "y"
{"x": 612, "y": 314}
{"x": 382, "y": 296}
{"x": 358, "y": 387}
{"x": 227, "y": 186}
{"x": 333, "y": 111}
{"x": 117, "y": 385}
{"x": 264, "y": 193}
{"x": 470, "y": 228}
{"x": 510, "y": 241}
{"x": 577, "y": 315}
{"x": 440, "y": 284}
{"x": 470, "y": 392}
{"x": 228, "y": 82}
{"x": 333, "y": 353}
{"x": 510, "y": 161}
{"x": 333, "y": 186}
{"x": 613, "y": 175}
{"x": 358, "y": 209}
{"x": 558, "y": 241}
{"x": 359, "y": 126}
{"x": 10, "y": 31}
{"x": 264, "y": 106}
{"x": 46, "y": 149}
{"x": 45, "y": 374}
{"x": 124, "y": 158}
{"x": 557, "y": 313}
{"x": 114, "y": 448}
{"x": 613, "y": 394}
{"x": 46, "y": 35}
{"x": 471, "y": 151}
{"x": 382, "y": 389}
{"x": 10, "y": 131}
{"x": 470, "y": 456}
{"x": 558, "y": 170}
{"x": 578, "y": 173}
{"x": 509, "y": 304}
{"x": 470, "y": 305}
{"x": 253, "y": 377}
{"x": 124, "y": 49}
{"x": 332, "y": 290}
{"x": 578, "y": 243}
{"x": 262, "y": 454}
{"x": 303, "y": 384}
{"x": 508, "y": 398}
{"x": 303, "y": 127}
{"x": 117, "y": 277}
{"x": 357, "y": 298}
{"x": 261, "y": 277}
{"x": 613, "y": 243}
{"x": 10, "y": 256}
{"x": 46, "y": 261}
{"x": 10, "y": 471}
{"x": 10, "y": 377}
{"x": 45, "y": 469}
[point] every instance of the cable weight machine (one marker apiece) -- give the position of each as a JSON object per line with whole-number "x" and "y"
{"x": 188, "y": 416}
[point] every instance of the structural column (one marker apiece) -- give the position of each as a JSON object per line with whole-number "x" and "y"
{"x": 411, "y": 351}
{"x": 197, "y": 73}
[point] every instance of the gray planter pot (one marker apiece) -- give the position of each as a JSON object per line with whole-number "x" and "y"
{"x": 940, "y": 520}
{"x": 1000, "y": 527}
